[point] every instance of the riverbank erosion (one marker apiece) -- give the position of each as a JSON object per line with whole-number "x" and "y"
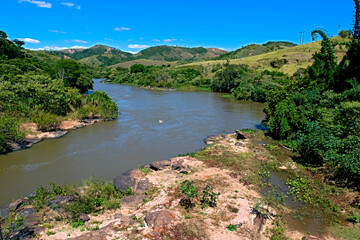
{"x": 221, "y": 192}
{"x": 33, "y": 135}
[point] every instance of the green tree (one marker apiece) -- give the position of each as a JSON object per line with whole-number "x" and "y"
{"x": 70, "y": 72}
{"x": 322, "y": 71}
{"x": 137, "y": 68}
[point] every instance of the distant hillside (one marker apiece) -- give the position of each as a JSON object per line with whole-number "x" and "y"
{"x": 98, "y": 55}
{"x": 171, "y": 54}
{"x": 286, "y": 60}
{"x": 256, "y": 49}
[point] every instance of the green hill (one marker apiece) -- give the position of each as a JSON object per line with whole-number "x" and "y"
{"x": 98, "y": 55}
{"x": 287, "y": 60}
{"x": 256, "y": 49}
{"x": 172, "y": 54}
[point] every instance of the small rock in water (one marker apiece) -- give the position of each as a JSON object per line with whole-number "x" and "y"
{"x": 161, "y": 121}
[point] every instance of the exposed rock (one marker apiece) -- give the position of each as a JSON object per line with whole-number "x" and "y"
{"x": 177, "y": 164}
{"x": 69, "y": 125}
{"x": 258, "y": 221}
{"x": 238, "y": 144}
{"x": 26, "y": 211}
{"x": 56, "y": 134}
{"x": 15, "y": 204}
{"x": 211, "y": 139}
{"x": 159, "y": 219}
{"x": 33, "y": 220}
{"x": 240, "y": 135}
{"x": 83, "y": 217}
{"x": 126, "y": 220}
{"x": 123, "y": 182}
{"x": 160, "y": 165}
{"x": 59, "y": 201}
{"x": 143, "y": 186}
{"x": 184, "y": 170}
{"x": 132, "y": 201}
{"x": 4, "y": 213}
{"x": 25, "y": 233}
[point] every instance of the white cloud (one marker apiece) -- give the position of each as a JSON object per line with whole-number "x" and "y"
{"x": 132, "y": 52}
{"x": 137, "y": 46}
{"x": 156, "y": 40}
{"x": 109, "y": 39}
{"x": 79, "y": 41}
{"x": 69, "y": 4}
{"x": 41, "y": 4}
{"x": 121, "y": 29}
{"x": 169, "y": 40}
{"x": 56, "y": 48}
{"x": 78, "y": 47}
{"x": 130, "y": 40}
{"x": 56, "y": 31}
{"x": 78, "y": 7}
{"x": 29, "y": 40}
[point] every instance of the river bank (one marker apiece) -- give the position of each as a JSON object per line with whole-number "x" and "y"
{"x": 216, "y": 193}
{"x": 33, "y": 135}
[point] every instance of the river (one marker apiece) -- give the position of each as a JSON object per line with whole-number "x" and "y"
{"x": 137, "y": 137}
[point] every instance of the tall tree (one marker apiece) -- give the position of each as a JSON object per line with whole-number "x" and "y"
{"x": 323, "y": 69}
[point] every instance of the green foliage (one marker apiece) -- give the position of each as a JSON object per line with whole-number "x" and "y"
{"x": 49, "y": 233}
{"x": 209, "y": 197}
{"x": 345, "y": 33}
{"x": 299, "y": 188}
{"x": 137, "y": 68}
{"x": 189, "y": 189}
{"x": 144, "y": 169}
{"x": 231, "y": 227}
{"x": 354, "y": 218}
{"x": 9, "y": 132}
{"x": 71, "y": 73}
{"x": 45, "y": 121}
{"x": 324, "y": 66}
{"x": 10, "y": 49}
{"x": 278, "y": 230}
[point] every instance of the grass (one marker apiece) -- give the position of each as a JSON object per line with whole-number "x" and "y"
{"x": 99, "y": 195}
{"x": 297, "y": 57}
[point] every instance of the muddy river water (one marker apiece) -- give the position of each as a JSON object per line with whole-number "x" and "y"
{"x": 153, "y": 125}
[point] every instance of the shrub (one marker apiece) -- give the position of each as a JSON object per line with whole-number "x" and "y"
{"x": 46, "y": 121}
{"x": 9, "y": 131}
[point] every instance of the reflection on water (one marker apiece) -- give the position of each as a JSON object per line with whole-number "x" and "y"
{"x": 106, "y": 149}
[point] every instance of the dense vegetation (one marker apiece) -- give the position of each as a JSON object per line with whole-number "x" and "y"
{"x": 318, "y": 113}
{"x": 161, "y": 77}
{"x": 44, "y": 92}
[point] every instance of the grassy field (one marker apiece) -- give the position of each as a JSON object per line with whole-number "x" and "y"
{"x": 297, "y": 57}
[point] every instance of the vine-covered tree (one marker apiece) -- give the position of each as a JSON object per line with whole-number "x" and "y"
{"x": 324, "y": 66}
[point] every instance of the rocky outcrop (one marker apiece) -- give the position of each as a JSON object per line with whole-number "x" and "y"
{"x": 132, "y": 201}
{"x": 159, "y": 219}
{"x": 133, "y": 179}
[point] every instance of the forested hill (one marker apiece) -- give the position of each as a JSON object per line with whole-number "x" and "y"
{"x": 170, "y": 54}
{"x": 256, "y": 49}
{"x": 98, "y": 55}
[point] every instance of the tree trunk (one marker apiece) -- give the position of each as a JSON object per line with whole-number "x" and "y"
{"x": 1, "y": 238}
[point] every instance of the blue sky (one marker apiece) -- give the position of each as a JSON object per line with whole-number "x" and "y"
{"x": 134, "y": 25}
